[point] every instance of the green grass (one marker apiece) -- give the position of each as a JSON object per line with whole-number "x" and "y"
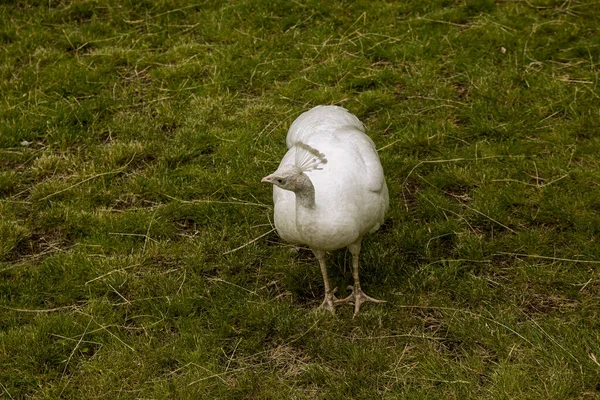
{"x": 133, "y": 137}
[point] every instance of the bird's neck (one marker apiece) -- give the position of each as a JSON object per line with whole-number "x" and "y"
{"x": 305, "y": 194}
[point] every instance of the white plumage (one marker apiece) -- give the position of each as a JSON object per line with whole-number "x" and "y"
{"x": 329, "y": 189}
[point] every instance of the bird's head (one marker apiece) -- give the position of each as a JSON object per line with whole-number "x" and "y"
{"x": 286, "y": 177}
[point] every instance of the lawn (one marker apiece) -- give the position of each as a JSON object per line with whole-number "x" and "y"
{"x": 137, "y": 254}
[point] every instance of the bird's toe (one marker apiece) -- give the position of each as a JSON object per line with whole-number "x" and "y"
{"x": 329, "y": 302}
{"x": 361, "y": 297}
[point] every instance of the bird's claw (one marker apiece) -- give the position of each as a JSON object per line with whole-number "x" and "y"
{"x": 357, "y": 297}
{"x": 347, "y": 299}
{"x": 330, "y": 301}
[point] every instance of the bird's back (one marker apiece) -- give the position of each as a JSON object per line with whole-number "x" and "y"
{"x": 321, "y": 120}
{"x": 351, "y": 195}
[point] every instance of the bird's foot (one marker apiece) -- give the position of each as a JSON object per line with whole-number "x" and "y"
{"x": 330, "y": 301}
{"x": 357, "y": 297}
{"x": 347, "y": 299}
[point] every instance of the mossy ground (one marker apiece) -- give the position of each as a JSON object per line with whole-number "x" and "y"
{"x": 133, "y": 137}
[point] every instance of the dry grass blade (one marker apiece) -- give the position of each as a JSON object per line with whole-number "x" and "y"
{"x": 548, "y": 258}
{"x": 41, "y": 311}
{"x": 221, "y": 374}
{"x": 490, "y": 218}
{"x": 76, "y": 347}
{"x": 123, "y": 168}
{"x": 6, "y": 391}
{"x": 110, "y": 273}
{"x": 203, "y": 201}
{"x": 250, "y": 242}
{"x": 472, "y": 314}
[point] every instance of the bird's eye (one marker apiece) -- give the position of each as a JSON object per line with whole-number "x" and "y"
{"x": 280, "y": 181}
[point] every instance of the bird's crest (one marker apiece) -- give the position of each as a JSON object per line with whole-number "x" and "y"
{"x": 308, "y": 158}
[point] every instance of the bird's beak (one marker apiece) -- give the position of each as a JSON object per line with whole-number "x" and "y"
{"x": 267, "y": 179}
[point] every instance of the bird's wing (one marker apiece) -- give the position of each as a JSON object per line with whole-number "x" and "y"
{"x": 370, "y": 158}
{"x": 362, "y": 157}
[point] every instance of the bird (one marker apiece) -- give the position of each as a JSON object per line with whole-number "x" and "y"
{"x": 329, "y": 191}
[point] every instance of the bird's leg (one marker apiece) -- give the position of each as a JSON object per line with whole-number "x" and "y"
{"x": 357, "y": 296}
{"x": 329, "y": 301}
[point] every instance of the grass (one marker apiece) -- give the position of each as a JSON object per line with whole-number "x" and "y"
{"x": 133, "y": 138}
